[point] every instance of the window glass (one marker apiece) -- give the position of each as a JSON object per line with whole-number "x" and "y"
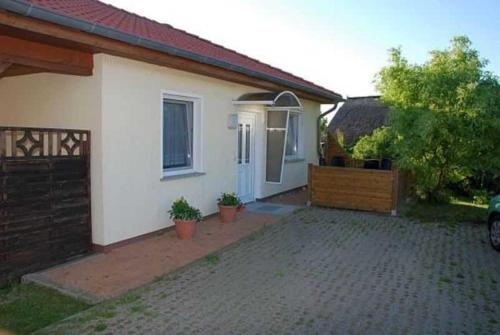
{"x": 274, "y": 161}
{"x": 292, "y": 139}
{"x": 177, "y": 134}
{"x": 277, "y": 119}
{"x": 240, "y": 142}
{"x": 275, "y": 146}
{"x": 247, "y": 143}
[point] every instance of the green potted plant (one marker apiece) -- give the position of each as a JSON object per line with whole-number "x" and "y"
{"x": 185, "y": 217}
{"x": 228, "y": 206}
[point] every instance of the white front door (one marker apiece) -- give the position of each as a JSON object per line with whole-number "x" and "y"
{"x": 246, "y": 156}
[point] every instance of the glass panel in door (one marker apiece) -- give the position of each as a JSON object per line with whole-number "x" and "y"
{"x": 245, "y": 157}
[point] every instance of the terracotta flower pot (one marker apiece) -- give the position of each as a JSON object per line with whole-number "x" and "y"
{"x": 185, "y": 229}
{"x": 227, "y": 213}
{"x": 241, "y": 208}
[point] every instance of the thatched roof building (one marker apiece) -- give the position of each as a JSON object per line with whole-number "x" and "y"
{"x": 358, "y": 117}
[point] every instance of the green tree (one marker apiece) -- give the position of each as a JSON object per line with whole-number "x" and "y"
{"x": 445, "y": 115}
{"x": 377, "y": 145}
{"x": 323, "y": 129}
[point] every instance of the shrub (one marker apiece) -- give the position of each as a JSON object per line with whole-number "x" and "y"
{"x": 229, "y": 199}
{"x": 181, "y": 210}
{"x": 480, "y": 197}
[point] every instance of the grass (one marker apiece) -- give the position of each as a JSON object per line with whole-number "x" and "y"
{"x": 137, "y": 308}
{"x": 127, "y": 299}
{"x": 25, "y": 308}
{"x": 99, "y": 314}
{"x": 101, "y": 326}
{"x": 457, "y": 210}
{"x": 212, "y": 259}
{"x": 445, "y": 280}
{"x": 252, "y": 237}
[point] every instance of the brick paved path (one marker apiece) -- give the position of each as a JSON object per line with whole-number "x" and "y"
{"x": 321, "y": 272}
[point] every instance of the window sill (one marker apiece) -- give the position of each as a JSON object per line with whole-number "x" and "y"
{"x": 183, "y": 175}
{"x": 294, "y": 160}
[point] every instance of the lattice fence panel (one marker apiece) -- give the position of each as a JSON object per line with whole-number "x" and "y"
{"x": 45, "y": 215}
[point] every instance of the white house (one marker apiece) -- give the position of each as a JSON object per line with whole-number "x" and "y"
{"x": 170, "y": 114}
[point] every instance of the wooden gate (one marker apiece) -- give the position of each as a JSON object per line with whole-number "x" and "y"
{"x": 45, "y": 215}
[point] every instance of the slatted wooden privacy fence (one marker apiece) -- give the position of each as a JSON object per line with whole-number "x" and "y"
{"x": 44, "y": 198}
{"x": 354, "y": 188}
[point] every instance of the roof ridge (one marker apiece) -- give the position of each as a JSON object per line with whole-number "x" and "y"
{"x": 364, "y": 97}
{"x": 132, "y": 13}
{"x": 244, "y": 55}
{"x": 210, "y": 42}
{"x": 102, "y": 16}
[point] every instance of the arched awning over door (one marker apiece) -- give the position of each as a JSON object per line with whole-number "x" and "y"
{"x": 285, "y": 99}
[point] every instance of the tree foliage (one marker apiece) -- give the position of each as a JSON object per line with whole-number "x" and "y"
{"x": 445, "y": 119}
{"x": 376, "y": 145}
{"x": 323, "y": 129}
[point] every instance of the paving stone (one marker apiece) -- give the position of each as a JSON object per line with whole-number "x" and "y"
{"x": 323, "y": 272}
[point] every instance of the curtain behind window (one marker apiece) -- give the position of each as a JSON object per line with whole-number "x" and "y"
{"x": 177, "y": 134}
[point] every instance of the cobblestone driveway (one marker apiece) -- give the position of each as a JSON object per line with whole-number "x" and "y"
{"x": 321, "y": 272}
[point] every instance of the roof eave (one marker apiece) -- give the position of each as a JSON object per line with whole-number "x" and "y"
{"x": 30, "y": 10}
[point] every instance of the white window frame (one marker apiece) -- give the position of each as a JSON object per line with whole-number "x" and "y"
{"x": 300, "y": 136}
{"x": 197, "y": 154}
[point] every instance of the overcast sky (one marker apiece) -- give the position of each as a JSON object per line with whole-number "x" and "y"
{"x": 339, "y": 44}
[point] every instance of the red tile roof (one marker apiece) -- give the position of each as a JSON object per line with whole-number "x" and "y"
{"x": 102, "y": 14}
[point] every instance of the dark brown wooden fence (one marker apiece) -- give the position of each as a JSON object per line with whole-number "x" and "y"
{"x": 44, "y": 198}
{"x": 354, "y": 188}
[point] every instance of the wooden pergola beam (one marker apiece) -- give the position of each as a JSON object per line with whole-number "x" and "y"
{"x": 4, "y": 66}
{"x": 20, "y": 70}
{"x": 44, "y": 56}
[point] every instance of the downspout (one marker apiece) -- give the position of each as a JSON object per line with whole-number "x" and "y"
{"x": 318, "y": 131}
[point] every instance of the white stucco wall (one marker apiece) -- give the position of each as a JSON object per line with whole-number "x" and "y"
{"x": 121, "y": 105}
{"x": 135, "y": 199}
{"x": 60, "y": 101}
